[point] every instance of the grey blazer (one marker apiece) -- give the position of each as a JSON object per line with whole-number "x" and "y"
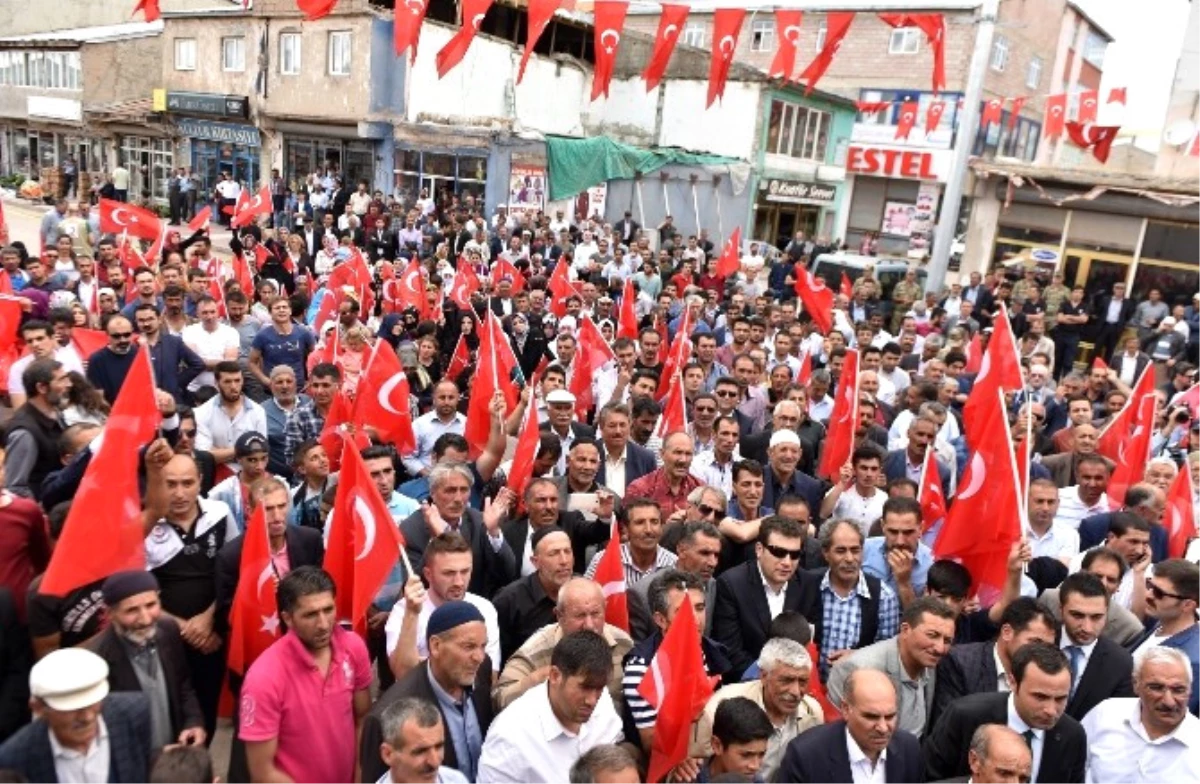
{"x": 1122, "y": 626}
{"x": 885, "y": 657}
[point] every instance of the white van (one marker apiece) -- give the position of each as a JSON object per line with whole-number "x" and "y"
{"x": 888, "y": 270}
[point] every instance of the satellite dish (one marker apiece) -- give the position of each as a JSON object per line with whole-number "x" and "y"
{"x": 1179, "y": 132}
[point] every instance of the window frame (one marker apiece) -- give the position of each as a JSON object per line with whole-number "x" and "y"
{"x": 180, "y": 47}
{"x": 909, "y": 41}
{"x": 822, "y": 33}
{"x": 998, "y": 60}
{"x": 340, "y": 35}
{"x": 762, "y": 36}
{"x": 693, "y": 34}
{"x": 296, "y": 56}
{"x": 226, "y": 42}
{"x": 1033, "y": 72}
{"x": 803, "y": 132}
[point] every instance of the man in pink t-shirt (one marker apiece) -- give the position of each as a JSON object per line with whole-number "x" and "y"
{"x": 304, "y": 698}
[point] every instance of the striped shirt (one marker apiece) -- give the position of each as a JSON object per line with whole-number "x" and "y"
{"x": 665, "y": 559}
{"x": 643, "y": 713}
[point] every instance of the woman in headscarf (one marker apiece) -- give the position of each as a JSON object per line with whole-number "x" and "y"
{"x": 326, "y": 256}
{"x": 528, "y": 345}
{"x": 426, "y": 372}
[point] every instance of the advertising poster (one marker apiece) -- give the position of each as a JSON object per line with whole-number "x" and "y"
{"x": 526, "y": 190}
{"x": 920, "y": 228}
{"x": 898, "y": 218}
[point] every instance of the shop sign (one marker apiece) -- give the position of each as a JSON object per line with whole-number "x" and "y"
{"x": 793, "y": 192}
{"x": 54, "y": 108}
{"x": 207, "y": 103}
{"x": 526, "y": 190}
{"x": 898, "y": 163}
{"x": 246, "y": 135}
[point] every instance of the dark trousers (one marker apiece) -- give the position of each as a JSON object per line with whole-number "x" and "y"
{"x": 175, "y": 200}
{"x": 122, "y": 195}
{"x": 208, "y": 674}
{"x": 1065, "y": 349}
{"x": 1106, "y": 341}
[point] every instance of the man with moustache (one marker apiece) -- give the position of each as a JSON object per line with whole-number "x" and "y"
{"x": 414, "y": 744}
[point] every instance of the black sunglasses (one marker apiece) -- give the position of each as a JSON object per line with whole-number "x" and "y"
{"x": 707, "y": 511}
{"x": 783, "y": 552}
{"x": 1160, "y": 594}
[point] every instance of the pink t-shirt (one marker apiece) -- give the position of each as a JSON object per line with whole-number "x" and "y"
{"x": 285, "y": 697}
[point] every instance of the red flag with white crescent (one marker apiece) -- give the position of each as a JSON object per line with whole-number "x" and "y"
{"x": 525, "y": 453}
{"x": 804, "y": 372}
{"x": 993, "y": 110}
{"x": 591, "y": 354}
{"x": 411, "y": 287}
{"x": 1131, "y": 466}
{"x": 610, "y": 576}
{"x": 787, "y": 31}
{"x": 1056, "y": 111}
{"x": 1113, "y": 440}
{"x": 670, "y": 25}
{"x": 837, "y": 25}
{"x": 254, "y": 616}
{"x": 846, "y": 289}
{"x": 843, "y": 421}
{"x": 908, "y": 118}
{"x": 459, "y": 360}
{"x": 503, "y": 268}
{"x": 473, "y": 13}
{"x": 627, "y": 321}
{"x": 1089, "y": 103}
{"x": 1180, "y": 516}
{"x": 407, "y": 19}
{"x": 466, "y": 283}
{"x": 674, "y": 410}
{"x": 680, "y": 351}
{"x": 258, "y": 204}
{"x": 731, "y": 261}
{"x": 382, "y": 399}
{"x": 1117, "y": 95}
{"x": 931, "y": 497}
{"x": 1000, "y": 369}
{"x": 1097, "y": 138}
{"x": 117, "y": 217}
{"x": 1014, "y": 113}
{"x": 727, "y": 25}
{"x": 608, "y": 18}
{"x": 933, "y": 116}
{"x": 817, "y": 299}
{"x": 560, "y": 288}
{"x": 540, "y": 12}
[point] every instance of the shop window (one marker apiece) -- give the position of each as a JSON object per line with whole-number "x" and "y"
{"x": 1176, "y": 282}
{"x": 1171, "y": 242}
{"x": 762, "y": 36}
{"x": 798, "y": 131}
{"x": 339, "y": 53}
{"x": 999, "y": 53}
{"x": 185, "y": 54}
{"x": 904, "y": 40}
{"x": 693, "y": 34}
{"x": 289, "y": 53}
{"x": 233, "y": 54}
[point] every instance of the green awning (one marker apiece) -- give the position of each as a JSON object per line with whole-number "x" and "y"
{"x": 577, "y": 164}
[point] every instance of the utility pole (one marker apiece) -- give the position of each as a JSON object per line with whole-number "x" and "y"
{"x": 968, "y": 125}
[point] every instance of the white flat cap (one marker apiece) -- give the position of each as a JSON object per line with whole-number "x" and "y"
{"x": 69, "y": 679}
{"x": 784, "y": 437}
{"x": 560, "y": 396}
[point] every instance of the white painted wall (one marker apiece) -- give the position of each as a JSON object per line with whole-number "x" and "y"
{"x": 728, "y": 127}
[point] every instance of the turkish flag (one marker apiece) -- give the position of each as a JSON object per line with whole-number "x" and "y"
{"x": 243, "y": 275}
{"x": 217, "y": 292}
{"x": 1131, "y": 465}
{"x": 473, "y": 12}
{"x": 837, "y": 24}
{"x": 459, "y": 360}
{"x": 1056, "y": 110}
{"x": 88, "y": 341}
{"x": 10, "y": 320}
{"x": 931, "y": 495}
{"x": 1191, "y": 399}
{"x": 608, "y": 17}
{"x": 254, "y": 616}
{"x": 992, "y": 111}
{"x": 1097, "y": 138}
{"x": 999, "y": 369}
{"x": 410, "y": 287}
{"x": 505, "y": 268}
{"x": 670, "y": 23}
{"x": 466, "y": 283}
{"x": 117, "y": 217}
{"x": 847, "y": 287}
{"x": 816, "y": 689}
{"x": 149, "y": 9}
{"x": 730, "y": 261}
{"x": 315, "y": 9}
{"x": 871, "y": 107}
{"x": 1089, "y": 102}
{"x": 680, "y": 351}
{"x": 610, "y": 576}
{"x": 908, "y": 118}
{"x": 258, "y": 204}
{"x": 540, "y": 13}
{"x": 1117, "y": 95}
{"x": 843, "y": 421}
{"x": 804, "y": 374}
{"x": 933, "y": 116}
{"x": 1014, "y": 113}
{"x": 934, "y": 28}
{"x": 974, "y": 352}
{"x": 1114, "y": 438}
{"x": 727, "y": 24}
{"x": 560, "y": 288}
{"x": 338, "y": 427}
{"x": 817, "y": 299}
{"x": 406, "y": 23}
{"x": 201, "y": 221}
{"x": 591, "y": 354}
{"x": 490, "y": 375}
{"x": 1180, "y": 516}
{"x": 678, "y": 687}
{"x": 674, "y": 410}
{"x": 382, "y": 399}
{"x": 104, "y": 533}
{"x": 986, "y": 518}
{"x": 525, "y": 452}
{"x": 627, "y": 320}
{"x": 787, "y": 30}
{"x": 364, "y": 543}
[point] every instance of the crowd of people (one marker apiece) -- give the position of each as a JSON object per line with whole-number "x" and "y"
{"x": 840, "y": 647}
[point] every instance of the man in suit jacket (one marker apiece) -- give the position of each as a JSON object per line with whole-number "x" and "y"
{"x": 418, "y": 682}
{"x": 175, "y": 365}
{"x": 1143, "y": 500}
{"x": 1109, "y": 316}
{"x": 381, "y": 243}
{"x": 909, "y": 660}
{"x": 145, "y": 653}
{"x": 1058, "y": 742}
{"x": 896, "y": 462}
{"x": 560, "y": 408}
{"x": 1099, "y": 667}
{"x": 976, "y": 667}
{"x": 544, "y": 506}
{"x": 822, "y": 754}
{"x": 495, "y": 563}
{"x": 638, "y": 460}
{"x": 746, "y": 604}
{"x": 64, "y": 684}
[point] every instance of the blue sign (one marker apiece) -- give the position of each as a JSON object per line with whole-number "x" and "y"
{"x": 246, "y": 135}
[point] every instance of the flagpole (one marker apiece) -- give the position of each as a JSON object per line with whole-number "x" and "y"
{"x": 1023, "y": 512}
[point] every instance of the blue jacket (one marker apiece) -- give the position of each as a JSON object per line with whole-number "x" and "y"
{"x": 175, "y": 365}
{"x": 1094, "y": 530}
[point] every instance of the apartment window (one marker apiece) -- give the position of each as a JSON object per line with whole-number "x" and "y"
{"x": 693, "y": 34}
{"x": 762, "y": 36}
{"x": 233, "y": 54}
{"x": 1000, "y": 53}
{"x": 1094, "y": 47}
{"x": 798, "y": 131}
{"x": 1033, "y": 74}
{"x": 339, "y": 53}
{"x": 289, "y": 53}
{"x": 904, "y": 40}
{"x": 822, "y": 31}
{"x": 185, "y": 54}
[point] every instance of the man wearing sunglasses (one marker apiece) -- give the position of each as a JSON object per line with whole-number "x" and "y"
{"x": 1172, "y": 595}
{"x": 753, "y": 593}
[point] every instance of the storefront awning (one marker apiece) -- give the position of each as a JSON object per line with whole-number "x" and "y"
{"x": 578, "y": 164}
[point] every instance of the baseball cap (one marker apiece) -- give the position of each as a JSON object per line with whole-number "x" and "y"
{"x": 249, "y": 444}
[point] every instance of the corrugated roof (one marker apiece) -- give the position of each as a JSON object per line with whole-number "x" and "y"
{"x": 1087, "y": 177}
{"x": 91, "y": 35}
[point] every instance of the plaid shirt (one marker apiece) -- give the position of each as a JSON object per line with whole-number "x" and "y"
{"x": 304, "y": 423}
{"x": 842, "y": 618}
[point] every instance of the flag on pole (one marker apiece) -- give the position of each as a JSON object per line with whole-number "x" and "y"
{"x": 610, "y": 576}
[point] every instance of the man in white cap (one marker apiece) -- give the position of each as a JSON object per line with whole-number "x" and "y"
{"x": 560, "y": 408}
{"x": 80, "y": 732}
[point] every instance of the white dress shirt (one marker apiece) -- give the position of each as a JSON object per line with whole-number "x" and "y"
{"x": 1119, "y": 749}
{"x": 861, "y": 769}
{"x": 710, "y": 471}
{"x": 72, "y": 767}
{"x": 1124, "y": 593}
{"x": 1001, "y": 673}
{"x": 614, "y": 470}
{"x": 1060, "y": 541}
{"x": 775, "y": 599}
{"x": 1072, "y": 510}
{"x": 862, "y": 510}
{"x": 491, "y": 622}
{"x": 428, "y": 429}
{"x": 1017, "y": 725}
{"x": 531, "y": 745}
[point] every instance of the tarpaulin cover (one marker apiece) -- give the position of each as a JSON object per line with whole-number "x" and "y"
{"x": 578, "y": 164}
